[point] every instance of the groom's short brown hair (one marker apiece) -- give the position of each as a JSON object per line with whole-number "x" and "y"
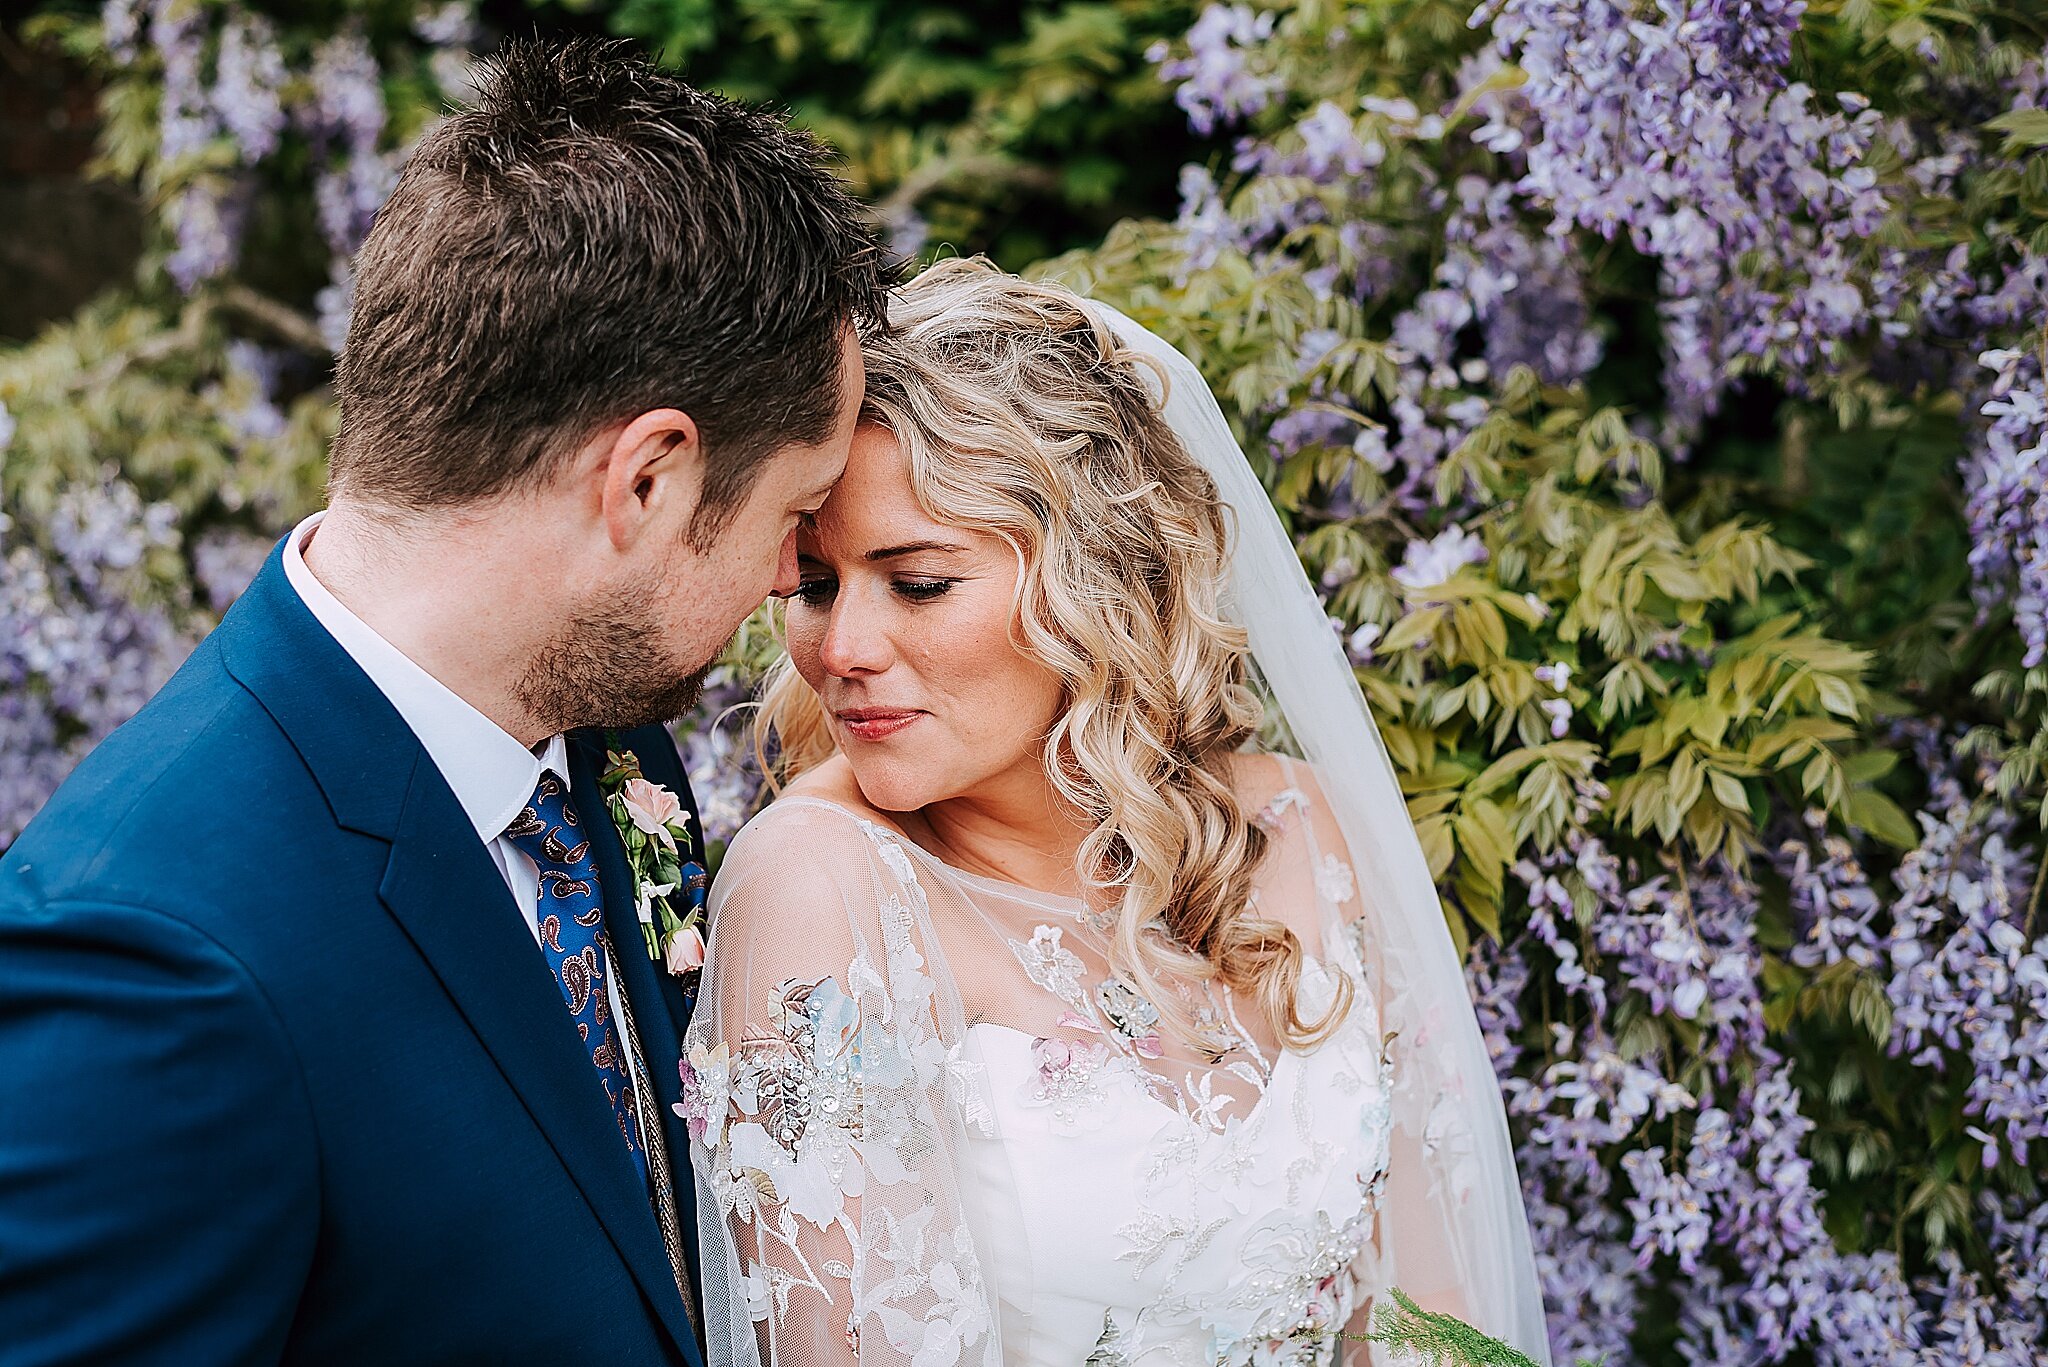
{"x": 588, "y": 239}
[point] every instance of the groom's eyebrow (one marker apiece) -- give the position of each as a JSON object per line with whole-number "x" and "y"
{"x": 911, "y": 548}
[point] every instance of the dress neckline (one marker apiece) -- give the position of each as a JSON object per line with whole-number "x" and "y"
{"x": 1234, "y": 1124}
{"x": 1274, "y": 808}
{"x": 1058, "y": 900}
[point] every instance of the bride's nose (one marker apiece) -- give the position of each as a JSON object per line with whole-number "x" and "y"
{"x": 856, "y": 641}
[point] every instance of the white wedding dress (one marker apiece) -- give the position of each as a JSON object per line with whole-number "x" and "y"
{"x": 934, "y": 1129}
{"x": 930, "y": 1126}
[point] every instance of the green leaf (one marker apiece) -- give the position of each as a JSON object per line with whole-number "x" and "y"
{"x": 1878, "y": 814}
{"x": 1438, "y": 848}
{"x": 1728, "y": 790}
{"x": 1437, "y": 1340}
{"x": 1871, "y": 1009}
{"x": 1837, "y": 696}
{"x": 1410, "y": 629}
{"x": 2024, "y": 129}
{"x": 1869, "y": 766}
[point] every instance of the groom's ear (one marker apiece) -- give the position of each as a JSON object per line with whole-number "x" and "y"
{"x": 652, "y": 477}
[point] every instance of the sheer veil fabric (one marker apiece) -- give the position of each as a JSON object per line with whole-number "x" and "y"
{"x": 931, "y": 1126}
{"x": 1456, "y": 1232}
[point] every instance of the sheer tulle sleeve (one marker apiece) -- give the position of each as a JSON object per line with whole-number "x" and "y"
{"x": 828, "y": 1101}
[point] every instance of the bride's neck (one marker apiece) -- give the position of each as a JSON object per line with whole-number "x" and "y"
{"x": 1018, "y": 829}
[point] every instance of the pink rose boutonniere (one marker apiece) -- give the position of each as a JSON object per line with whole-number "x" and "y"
{"x": 668, "y": 888}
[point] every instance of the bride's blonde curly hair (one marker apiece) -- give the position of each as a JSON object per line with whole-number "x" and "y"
{"x": 1022, "y": 415}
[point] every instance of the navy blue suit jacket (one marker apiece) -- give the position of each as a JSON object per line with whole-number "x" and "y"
{"x": 283, "y": 1076}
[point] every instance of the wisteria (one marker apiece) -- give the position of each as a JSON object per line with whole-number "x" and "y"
{"x": 718, "y": 754}
{"x": 249, "y": 76}
{"x": 2008, "y": 487}
{"x": 344, "y": 121}
{"x": 1969, "y": 982}
{"x": 1215, "y": 83}
{"x": 1685, "y": 134}
{"x": 1743, "y": 1183}
{"x": 82, "y": 644}
{"x": 106, "y": 589}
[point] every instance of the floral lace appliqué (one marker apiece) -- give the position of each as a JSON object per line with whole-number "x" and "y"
{"x": 1130, "y": 1015}
{"x": 1272, "y": 818}
{"x": 1051, "y": 965}
{"x": 1067, "y": 1077}
{"x": 1335, "y": 881}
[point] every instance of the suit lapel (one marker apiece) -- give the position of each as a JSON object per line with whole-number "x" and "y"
{"x": 657, "y": 999}
{"x": 442, "y": 888}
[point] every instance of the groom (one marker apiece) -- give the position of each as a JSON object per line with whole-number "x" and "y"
{"x": 328, "y": 1033}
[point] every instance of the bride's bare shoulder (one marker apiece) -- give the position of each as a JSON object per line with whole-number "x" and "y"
{"x": 1258, "y": 778}
{"x": 833, "y": 782}
{"x": 824, "y": 795}
{"x": 814, "y": 841}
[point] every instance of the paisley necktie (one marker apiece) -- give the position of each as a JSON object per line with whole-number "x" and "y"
{"x": 570, "y": 917}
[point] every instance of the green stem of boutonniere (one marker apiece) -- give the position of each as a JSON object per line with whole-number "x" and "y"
{"x": 668, "y": 888}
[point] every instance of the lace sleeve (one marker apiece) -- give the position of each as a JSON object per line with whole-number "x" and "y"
{"x": 828, "y": 1100}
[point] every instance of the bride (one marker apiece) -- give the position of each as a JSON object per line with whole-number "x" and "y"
{"x": 1083, "y": 998}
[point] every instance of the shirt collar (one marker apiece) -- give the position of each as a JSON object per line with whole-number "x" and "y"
{"x": 491, "y": 774}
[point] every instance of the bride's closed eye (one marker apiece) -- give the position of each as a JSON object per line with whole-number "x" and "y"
{"x": 816, "y": 592}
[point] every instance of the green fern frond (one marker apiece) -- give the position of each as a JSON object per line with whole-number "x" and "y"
{"x": 1434, "y": 1339}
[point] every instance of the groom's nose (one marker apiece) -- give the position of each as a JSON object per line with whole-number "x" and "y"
{"x": 786, "y": 577}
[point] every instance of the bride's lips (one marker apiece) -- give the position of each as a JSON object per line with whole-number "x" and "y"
{"x": 876, "y": 723}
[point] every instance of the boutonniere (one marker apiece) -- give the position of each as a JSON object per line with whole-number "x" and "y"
{"x": 668, "y": 889}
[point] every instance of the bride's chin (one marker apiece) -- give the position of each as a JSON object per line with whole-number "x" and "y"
{"x": 886, "y": 788}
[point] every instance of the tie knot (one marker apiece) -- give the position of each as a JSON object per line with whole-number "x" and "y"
{"x": 546, "y": 829}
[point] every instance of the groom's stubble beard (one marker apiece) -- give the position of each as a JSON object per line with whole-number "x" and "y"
{"x": 608, "y": 666}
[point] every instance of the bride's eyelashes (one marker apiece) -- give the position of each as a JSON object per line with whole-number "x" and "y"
{"x": 815, "y": 593}
{"x": 922, "y": 590}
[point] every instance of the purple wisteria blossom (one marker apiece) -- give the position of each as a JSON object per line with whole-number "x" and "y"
{"x": 186, "y": 118}
{"x": 1969, "y": 988}
{"x": 1206, "y": 224}
{"x": 1670, "y": 1216}
{"x": 249, "y": 408}
{"x": 249, "y": 74}
{"x": 121, "y": 28}
{"x": 344, "y": 120}
{"x": 84, "y": 639}
{"x": 2008, "y": 493}
{"x": 1428, "y": 564}
{"x": 1216, "y": 83}
{"x": 718, "y": 754}
{"x": 208, "y": 219}
{"x": 331, "y": 306}
{"x": 1682, "y": 132}
{"x": 1832, "y": 899}
{"x": 225, "y": 562}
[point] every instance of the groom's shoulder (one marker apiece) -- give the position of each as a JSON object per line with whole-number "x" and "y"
{"x": 200, "y": 782}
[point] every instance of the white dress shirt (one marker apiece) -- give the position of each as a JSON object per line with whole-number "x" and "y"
{"x": 491, "y": 774}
